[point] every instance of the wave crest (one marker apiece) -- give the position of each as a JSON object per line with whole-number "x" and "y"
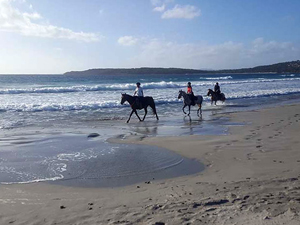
{"x": 131, "y": 86}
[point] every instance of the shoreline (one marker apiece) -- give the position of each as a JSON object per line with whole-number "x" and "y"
{"x": 251, "y": 177}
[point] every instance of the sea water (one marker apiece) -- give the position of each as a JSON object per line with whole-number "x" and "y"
{"x": 60, "y": 100}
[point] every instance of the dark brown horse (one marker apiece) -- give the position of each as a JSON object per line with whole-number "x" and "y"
{"x": 139, "y": 104}
{"x": 187, "y": 102}
{"x": 216, "y": 97}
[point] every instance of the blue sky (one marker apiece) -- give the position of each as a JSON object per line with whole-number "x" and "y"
{"x": 55, "y": 36}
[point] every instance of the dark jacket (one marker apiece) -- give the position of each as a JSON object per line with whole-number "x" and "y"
{"x": 217, "y": 89}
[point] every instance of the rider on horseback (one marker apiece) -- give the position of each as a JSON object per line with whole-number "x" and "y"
{"x": 217, "y": 89}
{"x": 139, "y": 94}
{"x": 190, "y": 93}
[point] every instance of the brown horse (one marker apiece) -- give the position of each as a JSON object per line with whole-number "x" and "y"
{"x": 140, "y": 104}
{"x": 216, "y": 97}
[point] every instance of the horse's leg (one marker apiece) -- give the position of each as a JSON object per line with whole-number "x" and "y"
{"x": 137, "y": 115}
{"x": 156, "y": 115}
{"x": 130, "y": 115}
{"x": 183, "y": 108}
{"x": 199, "y": 110}
{"x": 145, "y": 113}
{"x": 189, "y": 110}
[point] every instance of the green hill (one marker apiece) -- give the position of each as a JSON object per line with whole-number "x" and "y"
{"x": 285, "y": 67}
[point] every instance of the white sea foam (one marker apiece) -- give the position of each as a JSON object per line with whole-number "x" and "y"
{"x": 217, "y": 78}
{"x": 84, "y": 88}
{"x": 61, "y": 107}
{"x": 287, "y": 75}
{"x": 131, "y": 86}
{"x": 262, "y": 93}
{"x": 76, "y": 156}
{"x": 78, "y": 104}
{"x": 35, "y": 180}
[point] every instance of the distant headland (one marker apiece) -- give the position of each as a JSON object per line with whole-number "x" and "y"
{"x": 284, "y": 67}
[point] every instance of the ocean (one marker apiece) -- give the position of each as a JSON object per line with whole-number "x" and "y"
{"x": 45, "y": 121}
{"x": 59, "y": 100}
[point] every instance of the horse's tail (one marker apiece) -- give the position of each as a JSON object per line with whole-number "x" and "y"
{"x": 152, "y": 105}
{"x": 223, "y": 97}
{"x": 201, "y": 99}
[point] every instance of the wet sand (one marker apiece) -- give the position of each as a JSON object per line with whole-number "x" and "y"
{"x": 251, "y": 177}
{"x": 78, "y": 160}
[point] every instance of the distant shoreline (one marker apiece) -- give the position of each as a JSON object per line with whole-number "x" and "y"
{"x": 78, "y": 73}
{"x": 291, "y": 67}
{"x": 285, "y": 67}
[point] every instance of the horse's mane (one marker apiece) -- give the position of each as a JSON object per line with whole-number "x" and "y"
{"x": 127, "y": 94}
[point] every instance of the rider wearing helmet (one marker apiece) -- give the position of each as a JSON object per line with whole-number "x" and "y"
{"x": 139, "y": 94}
{"x": 190, "y": 93}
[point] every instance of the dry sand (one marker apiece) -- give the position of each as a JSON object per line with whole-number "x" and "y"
{"x": 252, "y": 177}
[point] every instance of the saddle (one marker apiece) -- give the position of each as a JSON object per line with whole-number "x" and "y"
{"x": 193, "y": 99}
{"x": 139, "y": 102}
{"x": 219, "y": 95}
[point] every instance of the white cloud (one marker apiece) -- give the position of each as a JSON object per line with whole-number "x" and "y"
{"x": 227, "y": 55}
{"x": 127, "y": 40}
{"x": 271, "y": 47}
{"x": 32, "y": 15}
{"x": 12, "y": 20}
{"x": 159, "y": 8}
{"x": 181, "y": 12}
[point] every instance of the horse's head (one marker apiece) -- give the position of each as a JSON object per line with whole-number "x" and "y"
{"x": 123, "y": 98}
{"x": 180, "y": 94}
{"x": 209, "y": 92}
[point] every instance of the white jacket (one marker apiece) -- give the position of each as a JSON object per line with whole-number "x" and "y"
{"x": 139, "y": 92}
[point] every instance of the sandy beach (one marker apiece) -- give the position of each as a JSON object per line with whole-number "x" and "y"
{"x": 251, "y": 177}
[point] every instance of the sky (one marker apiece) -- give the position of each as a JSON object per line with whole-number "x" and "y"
{"x": 56, "y": 36}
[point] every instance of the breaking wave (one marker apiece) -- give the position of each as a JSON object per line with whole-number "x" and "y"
{"x": 51, "y": 107}
{"x": 216, "y": 78}
{"x": 131, "y": 86}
